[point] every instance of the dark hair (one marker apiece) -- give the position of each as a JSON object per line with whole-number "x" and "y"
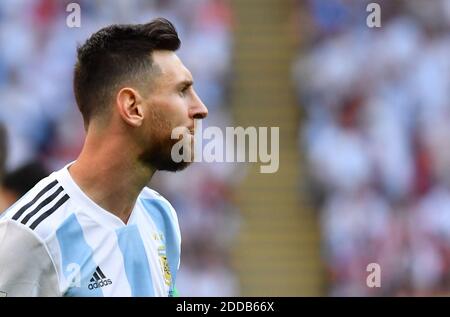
{"x": 116, "y": 55}
{"x": 24, "y": 178}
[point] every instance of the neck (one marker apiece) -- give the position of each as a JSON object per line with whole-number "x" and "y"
{"x": 110, "y": 174}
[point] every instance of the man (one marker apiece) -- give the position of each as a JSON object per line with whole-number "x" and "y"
{"x": 93, "y": 228}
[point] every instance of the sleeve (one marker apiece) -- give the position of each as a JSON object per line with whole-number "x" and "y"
{"x": 26, "y": 268}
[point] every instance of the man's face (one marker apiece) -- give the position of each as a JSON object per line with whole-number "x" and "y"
{"x": 171, "y": 103}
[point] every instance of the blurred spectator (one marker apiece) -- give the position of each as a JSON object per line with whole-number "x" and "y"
{"x": 3, "y": 155}
{"x": 2, "y": 151}
{"x": 17, "y": 183}
{"x": 376, "y": 136}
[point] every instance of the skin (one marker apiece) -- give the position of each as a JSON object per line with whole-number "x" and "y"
{"x": 7, "y": 198}
{"x": 120, "y": 156}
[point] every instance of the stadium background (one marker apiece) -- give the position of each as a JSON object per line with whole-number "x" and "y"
{"x": 363, "y": 114}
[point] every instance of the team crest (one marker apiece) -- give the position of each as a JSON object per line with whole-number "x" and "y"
{"x": 165, "y": 265}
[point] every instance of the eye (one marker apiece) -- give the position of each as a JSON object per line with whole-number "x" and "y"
{"x": 184, "y": 90}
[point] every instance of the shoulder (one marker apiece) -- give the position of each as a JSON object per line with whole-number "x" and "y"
{"x": 36, "y": 210}
{"x": 148, "y": 193}
{"x": 26, "y": 267}
{"x": 13, "y": 233}
{"x": 165, "y": 218}
{"x": 160, "y": 210}
{"x": 151, "y": 197}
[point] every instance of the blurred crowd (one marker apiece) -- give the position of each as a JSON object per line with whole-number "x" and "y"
{"x": 376, "y": 138}
{"x": 45, "y": 131}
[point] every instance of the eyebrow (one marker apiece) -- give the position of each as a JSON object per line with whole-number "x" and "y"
{"x": 185, "y": 83}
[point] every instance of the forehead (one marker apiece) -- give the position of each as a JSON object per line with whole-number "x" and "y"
{"x": 172, "y": 69}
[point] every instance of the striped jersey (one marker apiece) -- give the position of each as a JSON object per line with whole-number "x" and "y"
{"x": 55, "y": 241}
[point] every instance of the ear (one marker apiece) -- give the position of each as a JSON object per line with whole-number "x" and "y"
{"x": 129, "y": 106}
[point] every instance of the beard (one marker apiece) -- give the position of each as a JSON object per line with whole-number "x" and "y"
{"x": 158, "y": 153}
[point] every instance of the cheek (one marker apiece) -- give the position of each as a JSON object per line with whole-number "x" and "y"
{"x": 176, "y": 108}
{"x": 158, "y": 115}
{"x": 168, "y": 113}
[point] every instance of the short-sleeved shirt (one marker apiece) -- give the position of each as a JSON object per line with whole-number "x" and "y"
{"x": 55, "y": 241}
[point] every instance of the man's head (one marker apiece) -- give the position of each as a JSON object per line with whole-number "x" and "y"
{"x": 129, "y": 76}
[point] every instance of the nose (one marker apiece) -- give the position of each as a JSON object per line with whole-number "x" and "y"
{"x": 198, "y": 109}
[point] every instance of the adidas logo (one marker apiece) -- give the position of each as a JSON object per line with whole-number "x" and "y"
{"x": 99, "y": 280}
